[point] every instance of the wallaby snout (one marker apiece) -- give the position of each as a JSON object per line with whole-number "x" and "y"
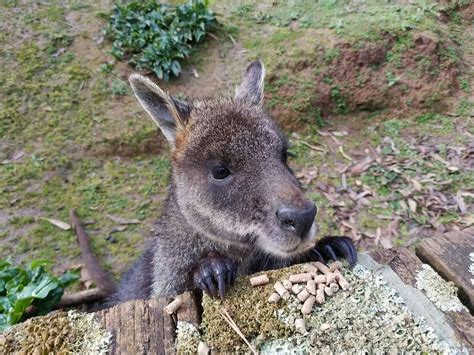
{"x": 297, "y": 220}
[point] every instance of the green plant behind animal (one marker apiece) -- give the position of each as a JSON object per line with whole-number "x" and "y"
{"x": 156, "y": 36}
{"x": 21, "y": 288}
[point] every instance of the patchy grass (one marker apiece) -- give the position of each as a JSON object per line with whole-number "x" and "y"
{"x": 71, "y": 134}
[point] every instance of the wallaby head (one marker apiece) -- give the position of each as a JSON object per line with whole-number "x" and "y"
{"x": 230, "y": 174}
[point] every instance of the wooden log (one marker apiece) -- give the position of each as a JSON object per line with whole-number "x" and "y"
{"x": 406, "y": 265}
{"x": 190, "y": 310}
{"x": 82, "y": 297}
{"x": 140, "y": 327}
{"x": 448, "y": 254}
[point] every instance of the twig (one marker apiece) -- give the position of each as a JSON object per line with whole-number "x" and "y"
{"x": 234, "y": 326}
{"x": 312, "y": 146}
{"x": 231, "y": 38}
{"x": 343, "y": 153}
{"x": 102, "y": 279}
{"x": 212, "y": 35}
{"x": 85, "y": 296}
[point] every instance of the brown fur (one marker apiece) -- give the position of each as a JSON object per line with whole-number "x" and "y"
{"x": 234, "y": 217}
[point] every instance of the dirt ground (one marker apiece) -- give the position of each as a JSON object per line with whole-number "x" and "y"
{"x": 376, "y": 99}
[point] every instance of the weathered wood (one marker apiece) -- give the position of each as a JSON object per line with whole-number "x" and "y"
{"x": 449, "y": 256}
{"x": 190, "y": 310}
{"x": 82, "y": 297}
{"x": 406, "y": 265}
{"x": 140, "y": 327}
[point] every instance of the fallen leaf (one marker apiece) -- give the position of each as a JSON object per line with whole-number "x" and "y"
{"x": 340, "y": 133}
{"x": 343, "y": 153}
{"x": 412, "y": 205}
{"x": 324, "y": 134}
{"x": 460, "y": 202}
{"x": 60, "y": 224}
{"x": 17, "y": 155}
{"x": 416, "y": 184}
{"x": 121, "y": 220}
{"x": 361, "y": 166}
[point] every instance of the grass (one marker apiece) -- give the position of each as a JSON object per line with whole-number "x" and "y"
{"x": 67, "y": 106}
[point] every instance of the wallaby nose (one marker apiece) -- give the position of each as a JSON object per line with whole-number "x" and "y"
{"x": 297, "y": 220}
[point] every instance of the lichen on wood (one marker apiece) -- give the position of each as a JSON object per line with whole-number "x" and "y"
{"x": 442, "y": 293}
{"x": 371, "y": 317}
{"x": 59, "y": 333}
{"x": 187, "y": 338}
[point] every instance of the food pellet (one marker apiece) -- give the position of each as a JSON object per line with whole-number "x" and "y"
{"x": 173, "y": 306}
{"x": 321, "y": 267}
{"x": 300, "y": 278}
{"x": 334, "y": 287}
{"x": 259, "y": 280}
{"x": 310, "y": 268}
{"x": 303, "y": 295}
{"x": 328, "y": 291}
{"x": 320, "y": 296}
{"x": 203, "y": 349}
{"x": 274, "y": 298}
{"x": 282, "y": 291}
{"x": 300, "y": 325}
{"x": 335, "y": 266}
{"x": 324, "y": 327}
{"x": 296, "y": 288}
{"x": 330, "y": 278}
{"x": 320, "y": 279}
{"x": 308, "y": 305}
{"x": 287, "y": 284}
{"x": 311, "y": 287}
{"x": 342, "y": 282}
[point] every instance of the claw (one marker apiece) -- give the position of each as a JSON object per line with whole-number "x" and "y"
{"x": 214, "y": 275}
{"x": 334, "y": 247}
{"x": 329, "y": 253}
{"x": 201, "y": 285}
{"x": 211, "y": 287}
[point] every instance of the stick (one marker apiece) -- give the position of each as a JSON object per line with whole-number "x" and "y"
{"x": 234, "y": 326}
{"x": 85, "y": 296}
{"x": 102, "y": 279}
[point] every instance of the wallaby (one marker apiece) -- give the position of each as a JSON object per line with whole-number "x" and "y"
{"x": 234, "y": 206}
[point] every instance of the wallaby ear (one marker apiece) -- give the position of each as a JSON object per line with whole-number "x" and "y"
{"x": 250, "y": 90}
{"x": 169, "y": 114}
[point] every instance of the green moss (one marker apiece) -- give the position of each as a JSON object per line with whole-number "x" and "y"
{"x": 252, "y": 313}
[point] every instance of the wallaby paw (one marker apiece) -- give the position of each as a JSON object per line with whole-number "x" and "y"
{"x": 333, "y": 248}
{"x": 214, "y": 275}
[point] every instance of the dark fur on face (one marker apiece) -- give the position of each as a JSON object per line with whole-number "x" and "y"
{"x": 236, "y": 135}
{"x": 240, "y": 209}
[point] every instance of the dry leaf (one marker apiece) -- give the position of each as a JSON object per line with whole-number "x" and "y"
{"x": 121, "y": 220}
{"x": 386, "y": 243}
{"x": 343, "y": 153}
{"x": 60, "y": 224}
{"x": 416, "y": 184}
{"x": 412, "y": 205}
{"x": 361, "y": 166}
{"x": 460, "y": 202}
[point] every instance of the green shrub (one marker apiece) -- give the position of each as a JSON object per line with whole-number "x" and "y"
{"x": 21, "y": 288}
{"x": 158, "y": 36}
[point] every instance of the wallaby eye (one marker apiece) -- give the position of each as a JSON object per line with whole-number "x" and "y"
{"x": 219, "y": 171}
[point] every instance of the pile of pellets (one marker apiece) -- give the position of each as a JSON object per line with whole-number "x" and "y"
{"x": 367, "y": 317}
{"x": 312, "y": 286}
